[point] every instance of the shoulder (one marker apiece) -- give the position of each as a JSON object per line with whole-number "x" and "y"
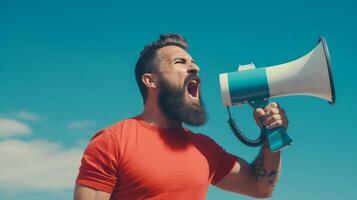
{"x": 115, "y": 132}
{"x": 111, "y": 139}
{"x": 123, "y": 124}
{"x": 120, "y": 128}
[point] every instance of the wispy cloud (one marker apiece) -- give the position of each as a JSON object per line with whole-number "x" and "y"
{"x": 37, "y": 165}
{"x": 83, "y": 124}
{"x": 29, "y": 116}
{"x": 11, "y": 127}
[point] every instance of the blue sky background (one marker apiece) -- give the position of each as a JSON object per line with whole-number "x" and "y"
{"x": 67, "y": 70}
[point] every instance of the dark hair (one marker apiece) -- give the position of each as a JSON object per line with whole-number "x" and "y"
{"x": 147, "y": 61}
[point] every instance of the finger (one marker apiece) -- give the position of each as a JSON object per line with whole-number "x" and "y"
{"x": 275, "y": 117}
{"x": 271, "y": 112}
{"x": 271, "y": 105}
{"x": 258, "y": 116}
{"x": 259, "y": 113}
{"x": 271, "y": 119}
{"x": 278, "y": 123}
{"x": 274, "y": 111}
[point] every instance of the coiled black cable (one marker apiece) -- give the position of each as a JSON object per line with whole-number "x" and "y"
{"x": 244, "y": 139}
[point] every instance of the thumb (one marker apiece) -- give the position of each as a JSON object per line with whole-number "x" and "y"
{"x": 258, "y": 116}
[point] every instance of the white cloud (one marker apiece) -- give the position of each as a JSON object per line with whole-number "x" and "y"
{"x": 10, "y": 127}
{"x": 80, "y": 124}
{"x": 37, "y": 165}
{"x": 25, "y": 115}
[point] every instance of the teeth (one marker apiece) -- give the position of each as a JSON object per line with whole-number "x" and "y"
{"x": 193, "y": 81}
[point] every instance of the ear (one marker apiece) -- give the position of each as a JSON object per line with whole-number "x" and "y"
{"x": 149, "y": 80}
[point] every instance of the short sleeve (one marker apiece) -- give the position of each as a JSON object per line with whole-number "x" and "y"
{"x": 99, "y": 163}
{"x": 220, "y": 162}
{"x": 225, "y": 165}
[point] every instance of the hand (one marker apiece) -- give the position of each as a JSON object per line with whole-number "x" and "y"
{"x": 272, "y": 116}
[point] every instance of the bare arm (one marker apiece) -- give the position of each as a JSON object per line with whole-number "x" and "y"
{"x": 82, "y": 192}
{"x": 266, "y": 169}
{"x": 259, "y": 178}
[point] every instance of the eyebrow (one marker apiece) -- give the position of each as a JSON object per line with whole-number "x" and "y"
{"x": 181, "y": 58}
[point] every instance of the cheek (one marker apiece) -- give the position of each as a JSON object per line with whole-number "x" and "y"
{"x": 174, "y": 75}
{"x": 177, "y": 80}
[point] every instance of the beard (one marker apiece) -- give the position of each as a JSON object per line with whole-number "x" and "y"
{"x": 173, "y": 104}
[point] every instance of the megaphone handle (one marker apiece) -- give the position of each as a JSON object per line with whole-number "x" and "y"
{"x": 277, "y": 138}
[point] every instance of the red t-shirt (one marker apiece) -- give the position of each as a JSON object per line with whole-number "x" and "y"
{"x": 134, "y": 160}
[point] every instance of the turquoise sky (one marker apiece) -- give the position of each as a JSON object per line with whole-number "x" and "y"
{"x": 67, "y": 70}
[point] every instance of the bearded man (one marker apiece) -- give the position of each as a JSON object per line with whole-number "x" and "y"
{"x": 152, "y": 156}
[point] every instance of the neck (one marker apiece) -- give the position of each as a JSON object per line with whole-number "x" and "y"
{"x": 153, "y": 115}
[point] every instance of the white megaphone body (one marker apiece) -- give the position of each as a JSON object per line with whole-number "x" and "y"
{"x": 310, "y": 75}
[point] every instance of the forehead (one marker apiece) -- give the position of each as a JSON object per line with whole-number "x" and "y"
{"x": 172, "y": 52}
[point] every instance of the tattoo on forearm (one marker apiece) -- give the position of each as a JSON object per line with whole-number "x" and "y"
{"x": 272, "y": 177}
{"x": 258, "y": 167}
{"x": 261, "y": 173}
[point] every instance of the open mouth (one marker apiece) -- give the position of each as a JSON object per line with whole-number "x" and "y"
{"x": 193, "y": 88}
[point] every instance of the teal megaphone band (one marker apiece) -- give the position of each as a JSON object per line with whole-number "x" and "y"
{"x": 248, "y": 85}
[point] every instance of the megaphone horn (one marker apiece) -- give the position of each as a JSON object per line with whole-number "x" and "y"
{"x": 309, "y": 75}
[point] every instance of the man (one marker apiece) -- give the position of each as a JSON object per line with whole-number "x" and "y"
{"x": 151, "y": 156}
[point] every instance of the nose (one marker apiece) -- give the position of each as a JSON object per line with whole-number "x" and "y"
{"x": 193, "y": 68}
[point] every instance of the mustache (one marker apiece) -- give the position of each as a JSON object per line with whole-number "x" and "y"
{"x": 191, "y": 76}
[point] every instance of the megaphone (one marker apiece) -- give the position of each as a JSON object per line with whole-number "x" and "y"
{"x": 309, "y": 75}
